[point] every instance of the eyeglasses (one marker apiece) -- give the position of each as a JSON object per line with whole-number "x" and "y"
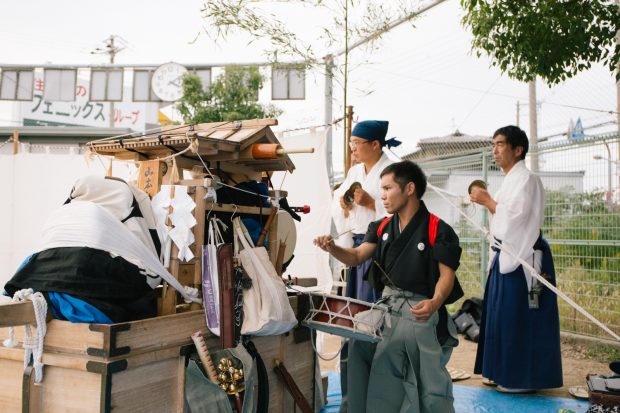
{"x": 354, "y": 145}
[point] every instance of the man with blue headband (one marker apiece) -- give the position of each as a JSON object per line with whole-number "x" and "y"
{"x": 357, "y": 203}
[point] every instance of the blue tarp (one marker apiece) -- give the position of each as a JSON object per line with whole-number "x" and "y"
{"x": 476, "y": 400}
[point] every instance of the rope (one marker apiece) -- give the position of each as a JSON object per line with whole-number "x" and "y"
{"x": 33, "y": 345}
{"x": 6, "y": 141}
{"x": 324, "y": 358}
{"x": 332, "y": 123}
{"x": 525, "y": 265}
{"x": 226, "y": 185}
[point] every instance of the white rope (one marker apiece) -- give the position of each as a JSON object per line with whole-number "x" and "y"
{"x": 321, "y": 356}
{"x": 6, "y": 141}
{"x": 33, "y": 345}
{"x": 525, "y": 265}
{"x": 229, "y": 186}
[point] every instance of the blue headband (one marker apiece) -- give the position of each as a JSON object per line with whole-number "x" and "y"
{"x": 374, "y": 130}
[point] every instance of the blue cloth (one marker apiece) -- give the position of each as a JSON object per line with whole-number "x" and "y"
{"x": 26, "y": 261}
{"x": 357, "y": 287}
{"x": 374, "y": 130}
{"x": 67, "y": 307}
{"x": 469, "y": 399}
{"x": 519, "y": 347}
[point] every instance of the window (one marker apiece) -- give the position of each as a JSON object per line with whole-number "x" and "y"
{"x": 288, "y": 83}
{"x": 59, "y": 85}
{"x": 106, "y": 85}
{"x": 16, "y": 84}
{"x": 142, "y": 91}
{"x": 205, "y": 77}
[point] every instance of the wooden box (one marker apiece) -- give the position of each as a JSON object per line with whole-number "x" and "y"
{"x": 127, "y": 367}
{"x": 132, "y": 367}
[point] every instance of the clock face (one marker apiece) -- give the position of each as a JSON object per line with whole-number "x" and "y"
{"x": 167, "y": 82}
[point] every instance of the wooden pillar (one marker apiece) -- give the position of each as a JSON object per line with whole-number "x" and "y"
{"x": 15, "y": 142}
{"x": 347, "y": 149}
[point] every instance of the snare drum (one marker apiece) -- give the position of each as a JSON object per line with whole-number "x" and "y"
{"x": 346, "y": 317}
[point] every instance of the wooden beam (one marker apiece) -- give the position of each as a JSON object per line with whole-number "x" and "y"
{"x": 17, "y": 314}
{"x": 15, "y": 142}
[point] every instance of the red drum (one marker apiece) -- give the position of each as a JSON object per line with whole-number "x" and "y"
{"x": 346, "y": 317}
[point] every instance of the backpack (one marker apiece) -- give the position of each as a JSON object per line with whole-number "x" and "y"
{"x": 433, "y": 224}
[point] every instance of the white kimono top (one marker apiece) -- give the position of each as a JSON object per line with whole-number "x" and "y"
{"x": 359, "y": 216}
{"x": 518, "y": 217}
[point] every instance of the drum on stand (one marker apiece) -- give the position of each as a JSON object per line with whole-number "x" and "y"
{"x": 346, "y": 317}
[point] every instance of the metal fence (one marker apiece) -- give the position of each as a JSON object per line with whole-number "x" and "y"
{"x": 582, "y": 221}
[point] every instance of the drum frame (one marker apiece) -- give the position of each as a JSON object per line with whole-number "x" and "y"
{"x": 336, "y": 315}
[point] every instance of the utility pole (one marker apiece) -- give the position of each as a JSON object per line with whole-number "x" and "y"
{"x": 618, "y": 108}
{"x": 518, "y": 113}
{"x": 533, "y": 127}
{"x": 329, "y": 92}
{"x": 111, "y": 48}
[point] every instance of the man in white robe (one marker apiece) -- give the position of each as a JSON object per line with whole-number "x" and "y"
{"x": 519, "y": 346}
{"x": 353, "y": 209}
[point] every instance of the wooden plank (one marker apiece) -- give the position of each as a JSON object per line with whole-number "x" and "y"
{"x": 148, "y": 388}
{"x": 150, "y": 176}
{"x": 65, "y": 337}
{"x": 199, "y": 232}
{"x": 66, "y": 390}
{"x": 11, "y": 385}
{"x": 272, "y": 241}
{"x": 161, "y": 332}
{"x": 17, "y": 314}
{"x": 237, "y": 209}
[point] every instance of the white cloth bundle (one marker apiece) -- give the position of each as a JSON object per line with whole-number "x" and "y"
{"x": 86, "y": 224}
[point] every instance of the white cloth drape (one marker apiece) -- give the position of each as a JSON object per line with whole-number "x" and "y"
{"x": 309, "y": 185}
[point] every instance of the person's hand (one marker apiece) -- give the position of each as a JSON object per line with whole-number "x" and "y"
{"x": 363, "y": 198}
{"x": 479, "y": 196}
{"x": 423, "y": 310}
{"x": 324, "y": 242}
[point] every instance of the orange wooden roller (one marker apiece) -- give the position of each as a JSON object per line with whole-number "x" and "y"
{"x": 274, "y": 151}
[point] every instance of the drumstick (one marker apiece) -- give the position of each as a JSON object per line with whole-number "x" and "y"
{"x": 341, "y": 234}
{"x": 261, "y": 238}
{"x": 205, "y": 357}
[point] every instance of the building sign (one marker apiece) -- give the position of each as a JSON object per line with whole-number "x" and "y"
{"x": 82, "y": 111}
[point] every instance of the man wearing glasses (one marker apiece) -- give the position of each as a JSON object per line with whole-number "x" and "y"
{"x": 357, "y": 203}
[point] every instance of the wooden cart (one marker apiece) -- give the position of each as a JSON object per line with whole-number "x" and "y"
{"x": 140, "y": 366}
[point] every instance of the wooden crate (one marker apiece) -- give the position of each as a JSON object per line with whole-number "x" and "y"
{"x": 127, "y": 367}
{"x": 132, "y": 367}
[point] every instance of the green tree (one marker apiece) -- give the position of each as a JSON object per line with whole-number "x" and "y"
{"x": 350, "y": 22}
{"x": 232, "y": 96}
{"x": 551, "y": 39}
{"x": 581, "y": 220}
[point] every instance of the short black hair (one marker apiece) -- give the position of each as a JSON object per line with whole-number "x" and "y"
{"x": 405, "y": 172}
{"x": 515, "y": 136}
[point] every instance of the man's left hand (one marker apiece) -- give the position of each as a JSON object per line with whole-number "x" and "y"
{"x": 364, "y": 199}
{"x": 423, "y": 310}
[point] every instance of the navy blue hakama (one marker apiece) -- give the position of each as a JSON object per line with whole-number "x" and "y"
{"x": 519, "y": 347}
{"x": 357, "y": 287}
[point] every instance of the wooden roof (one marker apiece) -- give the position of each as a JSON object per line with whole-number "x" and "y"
{"x": 218, "y": 141}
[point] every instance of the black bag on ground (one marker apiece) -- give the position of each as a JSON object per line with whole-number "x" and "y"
{"x": 467, "y": 319}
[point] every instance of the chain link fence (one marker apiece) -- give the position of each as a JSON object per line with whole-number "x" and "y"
{"x": 582, "y": 218}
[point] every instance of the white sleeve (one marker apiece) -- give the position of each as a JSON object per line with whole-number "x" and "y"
{"x": 518, "y": 219}
{"x": 340, "y": 221}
